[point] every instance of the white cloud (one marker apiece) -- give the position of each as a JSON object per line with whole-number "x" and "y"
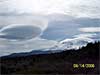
{"x": 90, "y": 29}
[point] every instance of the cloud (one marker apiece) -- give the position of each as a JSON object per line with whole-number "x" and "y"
{"x": 94, "y": 36}
{"x": 7, "y": 47}
{"x": 19, "y": 32}
{"x": 21, "y": 27}
{"x": 85, "y": 35}
{"x": 90, "y": 29}
{"x": 79, "y": 8}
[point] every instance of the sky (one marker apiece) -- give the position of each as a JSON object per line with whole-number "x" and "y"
{"x": 23, "y": 22}
{"x": 79, "y": 8}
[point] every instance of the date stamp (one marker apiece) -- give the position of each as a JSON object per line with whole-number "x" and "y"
{"x": 83, "y": 65}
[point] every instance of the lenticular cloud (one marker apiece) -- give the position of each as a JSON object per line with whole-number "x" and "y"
{"x": 21, "y": 27}
{"x": 20, "y": 32}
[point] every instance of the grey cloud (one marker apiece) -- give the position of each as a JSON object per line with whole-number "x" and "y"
{"x": 23, "y": 32}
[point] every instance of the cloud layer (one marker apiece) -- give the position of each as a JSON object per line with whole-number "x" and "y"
{"x": 80, "y": 8}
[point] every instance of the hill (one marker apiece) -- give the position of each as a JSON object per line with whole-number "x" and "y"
{"x": 82, "y": 61}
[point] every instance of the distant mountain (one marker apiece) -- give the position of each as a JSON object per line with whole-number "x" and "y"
{"x": 34, "y": 52}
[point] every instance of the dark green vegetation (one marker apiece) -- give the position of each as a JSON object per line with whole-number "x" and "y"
{"x": 57, "y": 63}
